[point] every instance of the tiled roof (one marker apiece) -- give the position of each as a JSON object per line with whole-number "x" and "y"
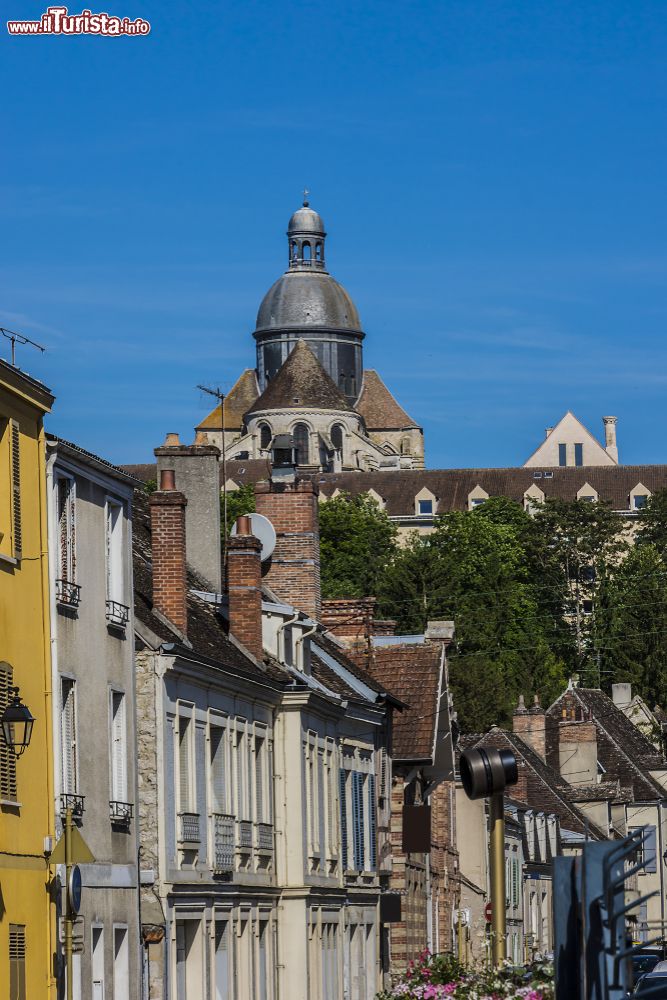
{"x": 545, "y": 788}
{"x": 623, "y": 751}
{"x": 398, "y": 488}
{"x": 378, "y": 407}
{"x": 206, "y": 631}
{"x": 353, "y": 664}
{"x": 301, "y": 382}
{"x": 238, "y": 401}
{"x": 412, "y": 673}
{"x": 89, "y": 456}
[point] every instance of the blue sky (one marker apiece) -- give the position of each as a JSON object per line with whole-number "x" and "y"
{"x": 492, "y": 176}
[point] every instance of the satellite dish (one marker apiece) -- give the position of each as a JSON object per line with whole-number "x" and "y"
{"x": 261, "y": 528}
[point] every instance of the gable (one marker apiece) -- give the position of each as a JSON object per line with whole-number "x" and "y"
{"x": 568, "y": 432}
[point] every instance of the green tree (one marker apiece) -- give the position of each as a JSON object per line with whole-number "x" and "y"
{"x": 239, "y": 502}
{"x": 652, "y": 527}
{"x": 357, "y": 542}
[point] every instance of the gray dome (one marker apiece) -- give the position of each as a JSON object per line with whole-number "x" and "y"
{"x": 305, "y": 220}
{"x": 301, "y": 298}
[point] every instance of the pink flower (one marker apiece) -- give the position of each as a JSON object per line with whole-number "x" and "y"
{"x": 450, "y": 987}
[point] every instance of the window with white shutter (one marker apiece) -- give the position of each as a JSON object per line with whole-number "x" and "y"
{"x": 259, "y": 780}
{"x": 218, "y": 770}
{"x": 241, "y": 793}
{"x": 114, "y": 551}
{"x": 68, "y": 737}
{"x": 7, "y": 758}
{"x": 184, "y": 764}
{"x": 222, "y": 960}
{"x": 118, "y": 748}
{"x": 66, "y": 512}
{"x": 372, "y": 824}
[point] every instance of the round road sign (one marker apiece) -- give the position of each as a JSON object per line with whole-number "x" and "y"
{"x": 488, "y": 912}
{"x": 74, "y": 889}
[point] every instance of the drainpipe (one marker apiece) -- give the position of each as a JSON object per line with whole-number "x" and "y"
{"x": 305, "y": 635}
{"x": 279, "y": 635}
{"x": 429, "y": 906}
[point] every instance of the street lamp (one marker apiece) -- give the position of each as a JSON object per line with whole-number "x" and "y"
{"x": 17, "y": 722}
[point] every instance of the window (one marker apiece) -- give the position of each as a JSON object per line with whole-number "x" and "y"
{"x": 114, "y": 551}
{"x": 242, "y": 810}
{"x": 118, "y": 748}
{"x": 301, "y": 436}
{"x": 358, "y": 832}
{"x": 588, "y": 498}
{"x": 185, "y": 782}
{"x": 66, "y": 513}
{"x": 342, "y": 776}
{"x": 217, "y": 759}
{"x": 476, "y": 502}
{"x": 121, "y": 964}
{"x": 372, "y": 824}
{"x": 337, "y": 436}
{"x": 262, "y": 972}
{"x": 578, "y": 454}
{"x": 97, "y": 962}
{"x": 260, "y": 805}
{"x": 189, "y": 960}
{"x": 639, "y": 501}
{"x": 647, "y": 851}
{"x": 17, "y": 987}
{"x": 329, "y": 961}
{"x": 221, "y": 960}
{"x": 306, "y": 250}
{"x": 562, "y": 454}
{"x": 264, "y": 436}
{"x": 425, "y": 506}
{"x": 15, "y": 473}
{"x": 7, "y": 758}
{"x": 68, "y": 737}
{"x": 548, "y": 475}
{"x": 318, "y": 251}
{"x": 10, "y": 499}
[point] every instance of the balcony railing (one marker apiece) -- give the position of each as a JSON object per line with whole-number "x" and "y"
{"x": 223, "y": 843}
{"x": 244, "y": 834}
{"x": 120, "y": 813}
{"x": 68, "y": 800}
{"x": 189, "y": 828}
{"x": 264, "y": 837}
{"x": 117, "y": 614}
{"x": 68, "y": 593}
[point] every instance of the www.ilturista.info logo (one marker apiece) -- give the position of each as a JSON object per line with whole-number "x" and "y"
{"x": 57, "y": 21}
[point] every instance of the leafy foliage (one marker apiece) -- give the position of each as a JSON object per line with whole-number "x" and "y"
{"x": 239, "y": 502}
{"x": 357, "y": 542}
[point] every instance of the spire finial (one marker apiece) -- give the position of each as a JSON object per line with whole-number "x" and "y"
{"x": 306, "y": 192}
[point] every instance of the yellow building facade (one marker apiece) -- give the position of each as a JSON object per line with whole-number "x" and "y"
{"x": 27, "y": 910}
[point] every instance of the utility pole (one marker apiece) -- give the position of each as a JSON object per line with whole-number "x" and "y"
{"x": 218, "y": 394}
{"x": 68, "y": 910}
{"x": 497, "y": 876}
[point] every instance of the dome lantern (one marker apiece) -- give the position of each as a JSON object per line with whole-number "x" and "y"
{"x": 305, "y": 239}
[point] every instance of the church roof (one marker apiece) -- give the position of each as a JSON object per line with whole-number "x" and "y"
{"x": 238, "y": 400}
{"x": 303, "y": 299}
{"x": 378, "y": 407}
{"x": 301, "y": 383}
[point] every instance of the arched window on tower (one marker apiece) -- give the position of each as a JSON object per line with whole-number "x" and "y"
{"x": 301, "y": 436}
{"x": 294, "y": 250}
{"x": 264, "y": 436}
{"x": 305, "y": 250}
{"x": 318, "y": 251}
{"x": 337, "y": 436}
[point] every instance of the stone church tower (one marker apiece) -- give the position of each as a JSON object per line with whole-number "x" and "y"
{"x": 309, "y": 380}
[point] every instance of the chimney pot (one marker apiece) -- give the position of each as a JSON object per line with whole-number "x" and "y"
{"x": 243, "y": 525}
{"x": 548, "y": 431}
{"x": 172, "y": 440}
{"x": 167, "y": 479}
{"x": 201, "y": 437}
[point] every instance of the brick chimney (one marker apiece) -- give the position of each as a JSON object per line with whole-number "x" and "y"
{"x": 294, "y": 569}
{"x": 170, "y": 588}
{"x": 531, "y": 725}
{"x": 350, "y": 619}
{"x": 197, "y": 470}
{"x": 244, "y": 585}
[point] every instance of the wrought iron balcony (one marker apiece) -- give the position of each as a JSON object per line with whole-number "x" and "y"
{"x": 264, "y": 837}
{"x": 68, "y": 593}
{"x": 120, "y": 813}
{"x": 189, "y": 828}
{"x": 117, "y": 614}
{"x": 223, "y": 843}
{"x": 244, "y": 834}
{"x": 68, "y": 800}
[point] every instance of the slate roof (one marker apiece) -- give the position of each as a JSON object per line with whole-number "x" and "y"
{"x": 301, "y": 382}
{"x": 623, "y": 751}
{"x": 206, "y": 630}
{"x": 451, "y": 487}
{"x": 238, "y": 400}
{"x": 378, "y": 407}
{"x": 545, "y": 788}
{"x": 412, "y": 673}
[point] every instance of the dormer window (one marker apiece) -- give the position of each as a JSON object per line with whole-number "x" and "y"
{"x": 477, "y": 497}
{"x": 639, "y": 497}
{"x": 587, "y": 493}
{"x": 425, "y": 506}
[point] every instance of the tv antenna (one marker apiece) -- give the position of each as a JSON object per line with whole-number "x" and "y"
{"x": 218, "y": 394}
{"x": 19, "y": 338}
